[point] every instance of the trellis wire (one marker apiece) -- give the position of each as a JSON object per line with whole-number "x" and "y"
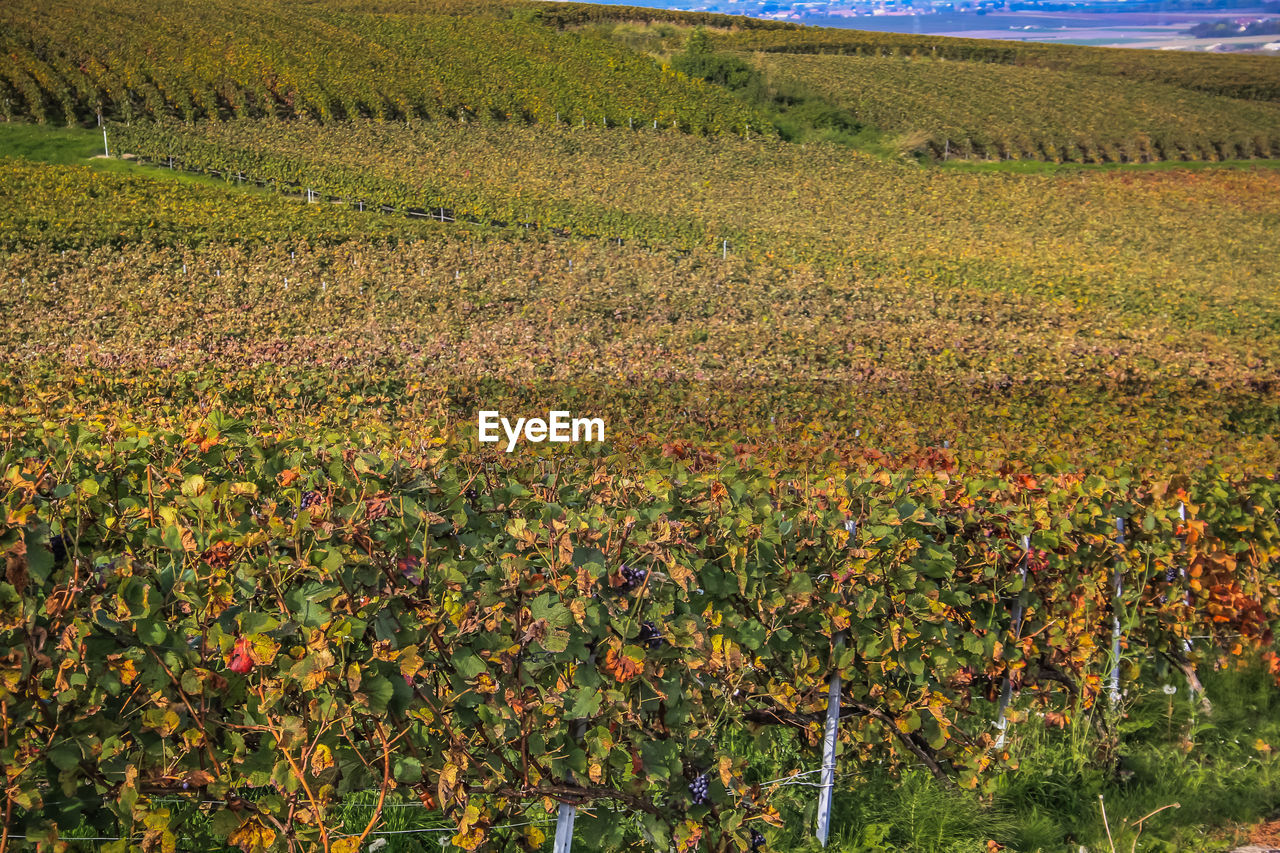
{"x": 443, "y": 214}
{"x": 421, "y": 831}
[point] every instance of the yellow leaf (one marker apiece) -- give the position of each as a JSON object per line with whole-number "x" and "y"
{"x": 124, "y": 668}
{"x": 410, "y": 661}
{"x": 471, "y": 839}
{"x": 262, "y": 649}
{"x": 253, "y": 837}
{"x": 447, "y": 784}
{"x": 726, "y": 772}
{"x": 321, "y": 759}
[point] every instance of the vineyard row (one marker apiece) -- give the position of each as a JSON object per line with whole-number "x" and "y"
{"x": 436, "y": 213}
{"x": 483, "y": 632}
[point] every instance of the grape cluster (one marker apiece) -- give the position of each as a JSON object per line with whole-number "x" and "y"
{"x": 632, "y": 578}
{"x": 472, "y": 495}
{"x": 757, "y": 841}
{"x": 650, "y": 636}
{"x": 309, "y": 500}
{"x": 58, "y": 545}
{"x": 700, "y": 788}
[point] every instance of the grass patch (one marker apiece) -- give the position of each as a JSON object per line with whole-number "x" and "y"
{"x": 1220, "y": 769}
{"x": 80, "y": 146}
{"x": 63, "y": 146}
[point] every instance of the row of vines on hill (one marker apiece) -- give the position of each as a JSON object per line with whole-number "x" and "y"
{"x": 290, "y": 156}
{"x": 582, "y": 14}
{"x": 1243, "y": 76}
{"x": 199, "y": 612}
{"x": 810, "y": 202}
{"x": 954, "y": 109}
{"x": 66, "y": 63}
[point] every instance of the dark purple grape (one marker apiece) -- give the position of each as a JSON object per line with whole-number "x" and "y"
{"x": 471, "y": 495}
{"x": 650, "y": 636}
{"x": 700, "y": 788}
{"x": 757, "y": 841}
{"x": 632, "y": 578}
{"x": 58, "y": 545}
{"x": 309, "y": 499}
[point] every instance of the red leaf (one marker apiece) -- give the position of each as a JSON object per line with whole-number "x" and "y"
{"x": 241, "y": 662}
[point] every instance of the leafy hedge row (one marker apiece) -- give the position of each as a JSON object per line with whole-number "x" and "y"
{"x": 1244, "y": 76}
{"x": 200, "y": 612}
{"x": 577, "y": 14}
{"x": 956, "y": 109}
{"x": 67, "y": 63}
{"x": 292, "y": 156}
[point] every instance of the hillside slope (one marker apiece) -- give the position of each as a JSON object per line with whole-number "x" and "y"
{"x": 68, "y": 62}
{"x": 1245, "y": 76}
{"x": 958, "y": 108}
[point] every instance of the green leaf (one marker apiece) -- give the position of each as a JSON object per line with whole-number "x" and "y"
{"x": 305, "y": 603}
{"x": 65, "y": 755}
{"x": 136, "y": 594}
{"x": 39, "y": 562}
{"x": 172, "y": 538}
{"x": 407, "y": 769}
{"x": 379, "y": 690}
{"x": 583, "y": 702}
{"x": 150, "y": 631}
{"x": 468, "y": 664}
{"x": 193, "y": 486}
{"x": 254, "y": 622}
{"x": 752, "y": 635}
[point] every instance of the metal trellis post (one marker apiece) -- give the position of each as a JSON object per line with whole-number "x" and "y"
{"x": 831, "y": 731}
{"x": 1117, "y": 583}
{"x": 1182, "y": 516}
{"x": 567, "y": 813}
{"x": 829, "y": 738}
{"x": 564, "y": 828}
{"x": 1006, "y": 692}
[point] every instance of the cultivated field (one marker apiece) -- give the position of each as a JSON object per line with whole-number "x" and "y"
{"x": 992, "y": 448}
